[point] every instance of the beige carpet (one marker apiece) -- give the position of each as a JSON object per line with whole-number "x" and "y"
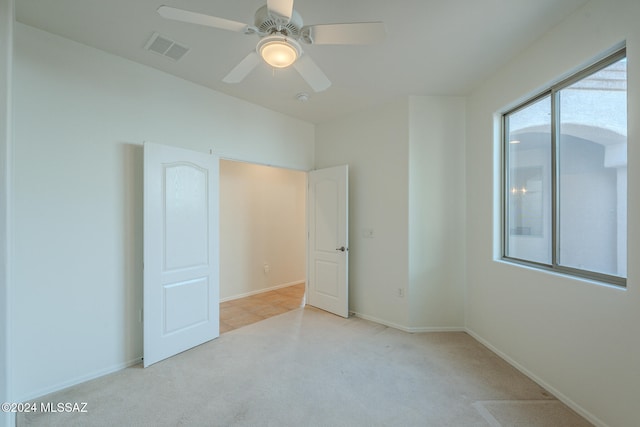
{"x": 310, "y": 368}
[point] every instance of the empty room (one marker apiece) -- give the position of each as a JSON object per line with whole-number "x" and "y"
{"x": 470, "y": 212}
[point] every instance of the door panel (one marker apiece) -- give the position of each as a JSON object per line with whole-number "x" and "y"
{"x": 327, "y": 278}
{"x": 181, "y": 257}
{"x": 186, "y": 208}
{"x": 185, "y": 304}
{"x": 328, "y": 256}
{"x": 327, "y": 215}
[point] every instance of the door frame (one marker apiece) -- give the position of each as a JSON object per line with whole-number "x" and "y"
{"x": 306, "y": 184}
{"x": 307, "y": 231}
{"x": 307, "y": 225}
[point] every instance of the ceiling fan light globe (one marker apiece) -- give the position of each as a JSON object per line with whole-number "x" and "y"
{"x": 278, "y": 55}
{"x": 278, "y": 51}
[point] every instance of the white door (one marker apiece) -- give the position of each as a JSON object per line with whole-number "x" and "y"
{"x": 328, "y": 247}
{"x": 181, "y": 258}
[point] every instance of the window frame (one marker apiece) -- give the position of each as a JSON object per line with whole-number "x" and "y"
{"x": 553, "y": 93}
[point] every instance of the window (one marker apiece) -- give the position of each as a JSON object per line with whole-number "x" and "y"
{"x": 565, "y": 176}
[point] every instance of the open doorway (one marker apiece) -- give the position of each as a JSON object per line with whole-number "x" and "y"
{"x": 262, "y": 242}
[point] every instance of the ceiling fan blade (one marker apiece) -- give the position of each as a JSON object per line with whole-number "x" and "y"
{"x": 312, "y": 74}
{"x": 168, "y": 12}
{"x": 352, "y": 33}
{"x": 243, "y": 69}
{"x": 281, "y": 8}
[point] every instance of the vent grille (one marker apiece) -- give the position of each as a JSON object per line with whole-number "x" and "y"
{"x": 166, "y": 47}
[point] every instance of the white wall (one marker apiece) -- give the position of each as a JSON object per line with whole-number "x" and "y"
{"x": 80, "y": 118}
{"x": 81, "y": 114}
{"x": 436, "y": 212}
{"x": 406, "y": 184}
{"x": 6, "y": 63}
{"x": 262, "y": 220}
{"x": 375, "y": 145}
{"x": 580, "y": 339}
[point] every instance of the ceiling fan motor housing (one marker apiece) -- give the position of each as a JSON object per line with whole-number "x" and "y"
{"x": 268, "y": 23}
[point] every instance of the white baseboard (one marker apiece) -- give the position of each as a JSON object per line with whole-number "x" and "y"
{"x": 408, "y": 328}
{"x": 78, "y": 380}
{"x": 436, "y": 329}
{"x": 120, "y": 366}
{"x": 260, "y": 291}
{"x": 559, "y": 395}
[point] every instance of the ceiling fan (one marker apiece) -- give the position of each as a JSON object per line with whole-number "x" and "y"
{"x": 281, "y": 30}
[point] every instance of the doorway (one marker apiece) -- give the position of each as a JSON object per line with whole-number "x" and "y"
{"x": 262, "y": 242}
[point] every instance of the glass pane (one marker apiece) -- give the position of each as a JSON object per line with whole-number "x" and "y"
{"x": 528, "y": 182}
{"x": 592, "y": 172}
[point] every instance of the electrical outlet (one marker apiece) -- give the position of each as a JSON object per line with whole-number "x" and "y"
{"x": 367, "y": 233}
{"x": 401, "y": 292}
{"x": 266, "y": 267}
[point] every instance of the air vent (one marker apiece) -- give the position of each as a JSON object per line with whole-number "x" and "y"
{"x": 166, "y": 47}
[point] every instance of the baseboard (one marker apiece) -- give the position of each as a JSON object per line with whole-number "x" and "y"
{"x": 260, "y": 291}
{"x": 78, "y": 380}
{"x": 408, "y": 328}
{"x": 420, "y": 329}
{"x": 557, "y": 393}
{"x": 127, "y": 364}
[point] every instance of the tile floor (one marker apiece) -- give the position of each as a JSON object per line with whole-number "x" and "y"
{"x": 245, "y": 311}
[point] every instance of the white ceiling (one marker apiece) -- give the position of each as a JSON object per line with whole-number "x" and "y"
{"x": 433, "y": 47}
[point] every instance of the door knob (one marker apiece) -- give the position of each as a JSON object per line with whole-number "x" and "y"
{"x": 341, "y": 249}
